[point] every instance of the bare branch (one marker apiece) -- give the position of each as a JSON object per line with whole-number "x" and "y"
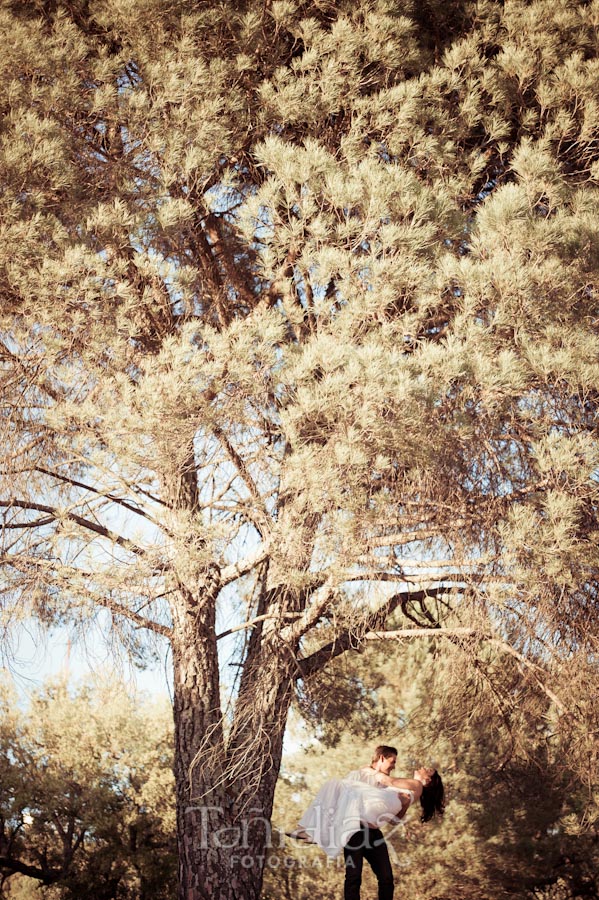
{"x": 87, "y": 487}
{"x": 104, "y": 599}
{"x": 263, "y": 517}
{"x": 20, "y": 526}
{"x": 41, "y": 383}
{"x": 402, "y": 633}
{"x": 256, "y": 621}
{"x": 470, "y": 565}
{"x": 406, "y": 537}
{"x": 23, "y": 450}
{"x": 25, "y": 564}
{"x": 141, "y": 621}
{"x": 56, "y": 513}
{"x": 532, "y": 668}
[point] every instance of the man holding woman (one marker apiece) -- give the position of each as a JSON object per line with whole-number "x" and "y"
{"x": 347, "y": 814}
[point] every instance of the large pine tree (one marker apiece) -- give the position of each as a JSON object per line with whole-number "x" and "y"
{"x": 299, "y": 327}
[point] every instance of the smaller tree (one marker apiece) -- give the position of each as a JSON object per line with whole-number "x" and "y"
{"x": 86, "y": 794}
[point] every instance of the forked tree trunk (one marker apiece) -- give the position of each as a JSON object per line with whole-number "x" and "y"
{"x": 223, "y": 809}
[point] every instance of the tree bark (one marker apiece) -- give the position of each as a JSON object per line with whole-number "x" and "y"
{"x": 196, "y": 710}
{"x": 225, "y": 783}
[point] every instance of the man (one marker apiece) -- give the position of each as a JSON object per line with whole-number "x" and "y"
{"x": 368, "y": 842}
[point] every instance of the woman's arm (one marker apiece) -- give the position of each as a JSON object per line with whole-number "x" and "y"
{"x": 406, "y": 784}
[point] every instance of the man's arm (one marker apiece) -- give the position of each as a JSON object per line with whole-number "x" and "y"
{"x": 406, "y": 802}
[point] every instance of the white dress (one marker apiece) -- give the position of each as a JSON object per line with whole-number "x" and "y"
{"x": 342, "y": 805}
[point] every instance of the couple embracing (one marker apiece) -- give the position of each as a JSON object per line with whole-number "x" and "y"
{"x": 347, "y": 815}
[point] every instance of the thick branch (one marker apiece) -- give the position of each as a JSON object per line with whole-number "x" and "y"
{"x": 401, "y": 633}
{"x": 310, "y": 616}
{"x": 237, "y": 570}
{"x": 351, "y": 638}
{"x": 46, "y": 876}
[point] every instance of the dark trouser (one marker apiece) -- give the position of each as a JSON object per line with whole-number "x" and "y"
{"x": 367, "y": 843}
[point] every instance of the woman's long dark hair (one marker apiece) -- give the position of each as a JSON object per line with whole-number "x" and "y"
{"x": 432, "y": 799}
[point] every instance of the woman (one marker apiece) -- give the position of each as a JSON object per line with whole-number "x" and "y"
{"x": 343, "y": 806}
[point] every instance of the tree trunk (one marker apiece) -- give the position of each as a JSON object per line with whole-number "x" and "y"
{"x": 222, "y": 852}
{"x": 225, "y": 788}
